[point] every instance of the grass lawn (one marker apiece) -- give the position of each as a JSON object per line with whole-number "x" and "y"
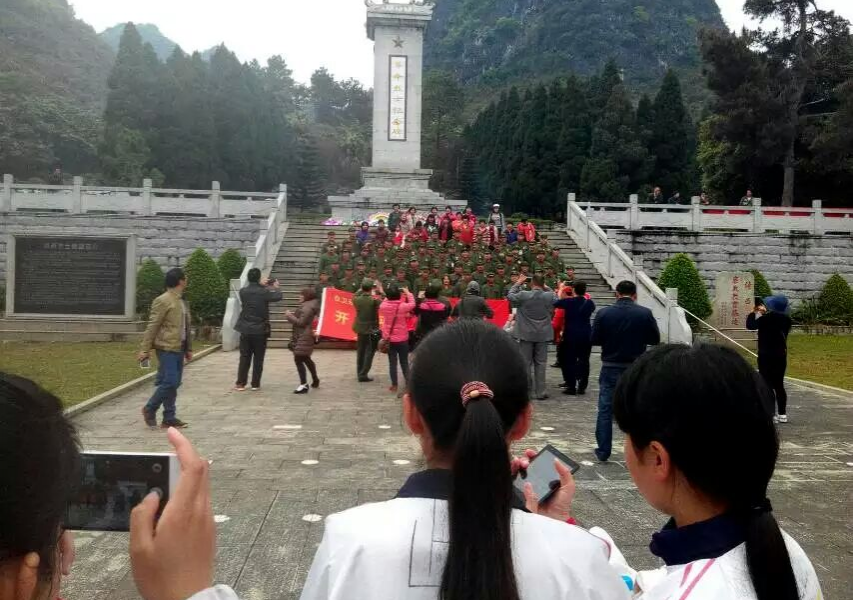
{"x": 826, "y": 359}
{"x": 74, "y": 371}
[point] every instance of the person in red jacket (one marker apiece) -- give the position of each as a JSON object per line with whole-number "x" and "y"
{"x": 466, "y": 233}
{"x": 394, "y": 314}
{"x": 526, "y": 231}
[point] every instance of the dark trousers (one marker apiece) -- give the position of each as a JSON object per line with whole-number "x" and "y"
{"x": 772, "y": 369}
{"x": 398, "y": 351}
{"x": 365, "y": 350}
{"x": 574, "y": 362}
{"x": 607, "y": 381}
{"x": 301, "y": 363}
{"x": 169, "y": 374}
{"x": 253, "y": 349}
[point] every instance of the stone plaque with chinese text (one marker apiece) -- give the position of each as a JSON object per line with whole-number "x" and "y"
{"x": 735, "y": 299}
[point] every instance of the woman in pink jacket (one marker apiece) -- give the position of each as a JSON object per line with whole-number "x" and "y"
{"x": 394, "y": 314}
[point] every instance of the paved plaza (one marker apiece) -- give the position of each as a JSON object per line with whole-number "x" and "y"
{"x": 281, "y": 462}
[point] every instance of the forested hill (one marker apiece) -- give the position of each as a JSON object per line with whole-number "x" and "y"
{"x": 491, "y": 43}
{"x": 53, "y": 80}
{"x": 162, "y": 45}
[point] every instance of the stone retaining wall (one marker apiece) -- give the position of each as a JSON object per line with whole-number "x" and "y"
{"x": 168, "y": 240}
{"x": 794, "y": 265}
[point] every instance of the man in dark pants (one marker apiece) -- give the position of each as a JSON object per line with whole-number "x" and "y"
{"x": 366, "y": 325}
{"x": 623, "y": 331}
{"x": 254, "y": 327}
{"x": 576, "y": 347}
{"x": 168, "y": 332}
{"x": 773, "y": 329}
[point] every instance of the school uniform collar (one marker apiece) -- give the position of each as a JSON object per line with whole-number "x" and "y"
{"x": 706, "y": 539}
{"x": 435, "y": 484}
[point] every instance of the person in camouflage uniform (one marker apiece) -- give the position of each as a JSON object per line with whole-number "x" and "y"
{"x": 461, "y": 286}
{"x": 328, "y": 258}
{"x": 480, "y": 274}
{"x": 349, "y": 283}
{"x": 492, "y": 290}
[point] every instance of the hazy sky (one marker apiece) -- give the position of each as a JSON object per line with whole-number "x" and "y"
{"x": 307, "y": 33}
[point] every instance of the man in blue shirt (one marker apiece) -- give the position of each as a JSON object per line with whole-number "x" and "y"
{"x": 623, "y": 331}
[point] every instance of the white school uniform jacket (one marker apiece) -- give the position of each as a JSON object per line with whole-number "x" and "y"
{"x": 723, "y": 578}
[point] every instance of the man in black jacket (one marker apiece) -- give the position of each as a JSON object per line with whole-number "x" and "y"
{"x": 623, "y": 331}
{"x": 254, "y": 327}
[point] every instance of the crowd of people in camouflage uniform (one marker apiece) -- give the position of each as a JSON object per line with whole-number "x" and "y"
{"x": 414, "y": 256}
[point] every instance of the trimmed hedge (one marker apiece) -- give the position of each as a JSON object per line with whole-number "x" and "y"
{"x": 836, "y": 301}
{"x": 681, "y": 272}
{"x": 206, "y": 290}
{"x": 762, "y": 288}
{"x": 230, "y": 265}
{"x": 150, "y": 283}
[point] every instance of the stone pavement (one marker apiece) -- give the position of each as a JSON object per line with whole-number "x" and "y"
{"x": 281, "y": 461}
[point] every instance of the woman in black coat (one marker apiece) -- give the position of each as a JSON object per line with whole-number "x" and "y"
{"x": 773, "y": 325}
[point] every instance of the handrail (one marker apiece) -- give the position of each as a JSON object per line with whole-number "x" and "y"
{"x": 709, "y": 326}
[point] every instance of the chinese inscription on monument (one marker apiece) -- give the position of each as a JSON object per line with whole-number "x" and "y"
{"x": 397, "y": 104}
{"x": 735, "y": 299}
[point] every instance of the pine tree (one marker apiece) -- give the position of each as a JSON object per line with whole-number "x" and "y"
{"x": 575, "y": 136}
{"x": 309, "y": 188}
{"x": 672, "y": 139}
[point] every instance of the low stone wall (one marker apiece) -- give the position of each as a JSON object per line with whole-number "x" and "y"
{"x": 794, "y": 265}
{"x": 168, "y": 240}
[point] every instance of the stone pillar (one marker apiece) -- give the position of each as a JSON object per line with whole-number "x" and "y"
{"x": 611, "y": 238}
{"x": 397, "y": 31}
{"x": 817, "y": 227}
{"x": 672, "y": 296}
{"x": 146, "y": 198}
{"x": 6, "y": 194}
{"x": 282, "y": 188}
{"x": 572, "y": 199}
{"x": 757, "y": 216}
{"x": 695, "y": 214}
{"x": 215, "y": 200}
{"x": 638, "y": 266}
{"x": 77, "y": 196}
{"x": 634, "y": 213}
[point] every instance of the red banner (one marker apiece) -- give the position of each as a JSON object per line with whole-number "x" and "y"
{"x": 337, "y": 314}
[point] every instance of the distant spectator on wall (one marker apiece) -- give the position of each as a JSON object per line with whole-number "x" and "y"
{"x": 704, "y": 200}
{"x": 675, "y": 199}
{"x": 657, "y": 197}
{"x": 747, "y": 200}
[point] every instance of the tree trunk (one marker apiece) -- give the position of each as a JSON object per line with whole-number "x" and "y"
{"x": 788, "y": 186}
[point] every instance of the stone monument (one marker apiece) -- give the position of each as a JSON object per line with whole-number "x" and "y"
{"x": 395, "y": 176}
{"x": 734, "y": 300}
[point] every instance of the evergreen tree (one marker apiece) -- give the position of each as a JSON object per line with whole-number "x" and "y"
{"x": 149, "y": 285}
{"x": 646, "y": 121}
{"x": 206, "y": 290}
{"x": 443, "y": 101}
{"x": 671, "y": 143}
{"x": 601, "y": 88}
{"x": 308, "y": 188}
{"x": 575, "y": 136}
{"x": 230, "y": 264}
{"x": 680, "y": 272}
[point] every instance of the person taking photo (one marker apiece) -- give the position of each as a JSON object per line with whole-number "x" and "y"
{"x": 254, "y": 327}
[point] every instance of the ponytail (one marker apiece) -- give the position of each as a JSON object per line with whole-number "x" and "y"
{"x": 768, "y": 560}
{"x": 479, "y": 561}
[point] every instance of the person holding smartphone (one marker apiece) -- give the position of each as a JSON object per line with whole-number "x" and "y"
{"x": 773, "y": 324}
{"x": 254, "y": 327}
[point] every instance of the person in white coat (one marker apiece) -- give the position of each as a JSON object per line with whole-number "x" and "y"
{"x": 675, "y": 404}
{"x": 458, "y": 530}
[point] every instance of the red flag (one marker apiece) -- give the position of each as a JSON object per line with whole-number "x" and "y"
{"x": 501, "y": 309}
{"x": 337, "y": 315}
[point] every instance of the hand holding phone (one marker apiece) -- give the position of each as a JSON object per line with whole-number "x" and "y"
{"x": 545, "y": 478}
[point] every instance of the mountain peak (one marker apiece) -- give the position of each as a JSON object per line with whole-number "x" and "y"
{"x": 150, "y": 33}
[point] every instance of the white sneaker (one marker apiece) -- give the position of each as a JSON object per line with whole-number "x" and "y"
{"x": 783, "y": 418}
{"x": 302, "y": 389}
{"x": 776, "y": 418}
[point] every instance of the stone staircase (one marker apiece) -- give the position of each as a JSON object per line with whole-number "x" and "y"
{"x": 297, "y": 262}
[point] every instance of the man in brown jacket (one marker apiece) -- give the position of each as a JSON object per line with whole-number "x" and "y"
{"x": 168, "y": 333}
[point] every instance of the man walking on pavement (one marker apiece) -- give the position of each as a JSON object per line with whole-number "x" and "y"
{"x": 254, "y": 327}
{"x": 366, "y": 328}
{"x": 533, "y": 328}
{"x": 169, "y": 334}
{"x": 623, "y": 331}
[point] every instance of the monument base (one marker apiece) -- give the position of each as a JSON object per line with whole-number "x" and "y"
{"x": 385, "y": 187}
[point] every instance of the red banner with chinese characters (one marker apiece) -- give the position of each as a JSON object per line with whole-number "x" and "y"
{"x": 337, "y": 314}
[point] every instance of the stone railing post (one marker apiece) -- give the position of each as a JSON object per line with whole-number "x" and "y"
{"x": 695, "y": 214}
{"x": 572, "y": 197}
{"x": 282, "y": 189}
{"x": 588, "y": 227}
{"x": 634, "y": 212}
{"x": 6, "y": 194}
{"x": 757, "y": 216}
{"x": 638, "y": 266}
{"x": 215, "y": 200}
{"x": 611, "y": 239}
{"x": 817, "y": 217}
{"x": 672, "y": 297}
{"x": 77, "y": 196}
{"x": 146, "y": 198}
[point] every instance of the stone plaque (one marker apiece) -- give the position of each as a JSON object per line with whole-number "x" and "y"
{"x": 735, "y": 299}
{"x": 70, "y": 276}
{"x": 397, "y": 104}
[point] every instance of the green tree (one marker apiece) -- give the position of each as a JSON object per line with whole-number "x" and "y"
{"x": 125, "y": 162}
{"x": 762, "y": 288}
{"x": 149, "y": 284}
{"x": 206, "y": 290}
{"x": 836, "y": 301}
{"x": 672, "y": 142}
{"x": 681, "y": 272}
{"x": 443, "y": 105}
{"x": 231, "y": 264}
{"x": 308, "y": 188}
{"x": 575, "y": 136}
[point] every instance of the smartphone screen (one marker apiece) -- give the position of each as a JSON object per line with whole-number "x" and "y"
{"x": 112, "y": 484}
{"x": 542, "y": 473}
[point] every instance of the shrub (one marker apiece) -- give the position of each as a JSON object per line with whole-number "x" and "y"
{"x": 680, "y": 272}
{"x": 836, "y": 301}
{"x": 230, "y": 265}
{"x": 808, "y": 313}
{"x": 762, "y": 288}
{"x": 206, "y": 290}
{"x": 150, "y": 283}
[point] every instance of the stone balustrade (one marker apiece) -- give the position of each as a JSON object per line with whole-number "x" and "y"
{"x": 144, "y": 201}
{"x": 633, "y": 216}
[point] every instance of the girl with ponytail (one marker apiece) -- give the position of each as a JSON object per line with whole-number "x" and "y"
{"x": 457, "y": 531}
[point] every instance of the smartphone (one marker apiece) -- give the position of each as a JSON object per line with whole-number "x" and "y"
{"x": 543, "y": 474}
{"x": 145, "y": 363}
{"x": 113, "y": 483}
